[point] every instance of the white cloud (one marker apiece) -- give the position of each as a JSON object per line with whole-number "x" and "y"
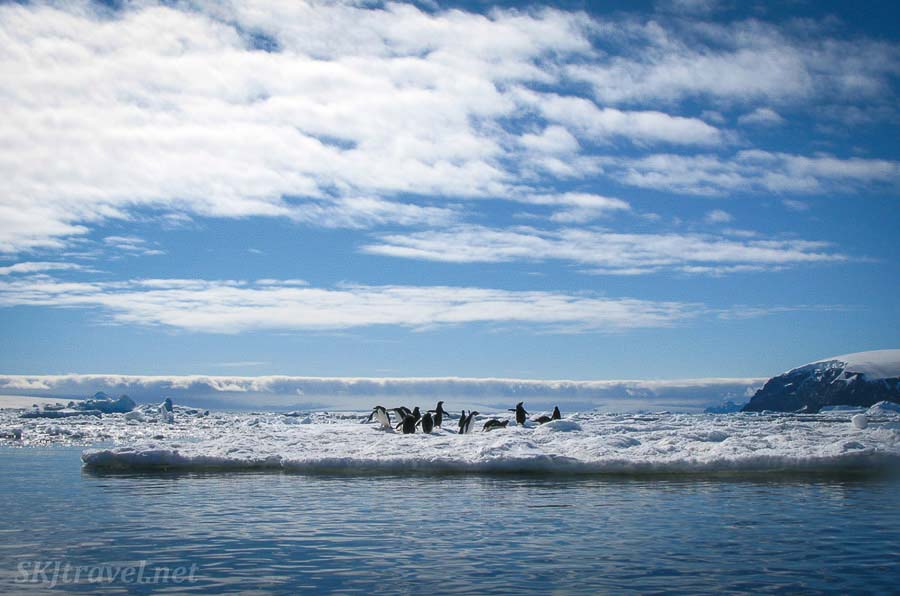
{"x": 346, "y": 114}
{"x": 605, "y": 252}
{"x": 363, "y": 392}
{"x": 752, "y": 171}
{"x": 230, "y": 306}
{"x": 577, "y": 207}
{"x": 718, "y": 216}
{"x": 795, "y": 205}
{"x": 596, "y": 124}
{"x": 740, "y": 62}
{"x": 175, "y": 110}
{"x": 37, "y": 266}
{"x": 553, "y": 140}
{"x": 761, "y": 117}
{"x": 132, "y": 244}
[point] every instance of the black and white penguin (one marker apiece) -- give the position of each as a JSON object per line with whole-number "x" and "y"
{"x": 462, "y": 422}
{"x": 381, "y": 414}
{"x": 402, "y": 411}
{"x": 415, "y": 414}
{"x": 427, "y": 423}
{"x": 409, "y": 425}
{"x": 167, "y": 411}
{"x": 439, "y": 413}
{"x": 469, "y": 420}
{"x": 545, "y": 419}
{"x": 520, "y": 413}
{"x": 494, "y": 423}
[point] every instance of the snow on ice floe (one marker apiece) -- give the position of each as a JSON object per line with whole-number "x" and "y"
{"x": 586, "y": 443}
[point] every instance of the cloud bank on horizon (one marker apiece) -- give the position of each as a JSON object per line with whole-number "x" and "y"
{"x": 287, "y": 392}
{"x": 423, "y": 167}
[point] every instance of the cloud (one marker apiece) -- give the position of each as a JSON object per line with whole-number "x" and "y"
{"x": 596, "y": 124}
{"x": 606, "y": 252}
{"x": 739, "y": 62}
{"x": 577, "y": 207}
{"x": 132, "y": 244}
{"x": 230, "y": 306}
{"x": 761, "y": 117}
{"x": 360, "y": 115}
{"x": 718, "y": 216}
{"x": 37, "y": 267}
{"x": 180, "y": 110}
{"x": 752, "y": 171}
{"x": 795, "y": 205}
{"x": 287, "y": 392}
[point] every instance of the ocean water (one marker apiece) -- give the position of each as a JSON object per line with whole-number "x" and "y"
{"x": 271, "y": 531}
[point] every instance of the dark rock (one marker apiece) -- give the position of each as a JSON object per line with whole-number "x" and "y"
{"x": 828, "y": 383}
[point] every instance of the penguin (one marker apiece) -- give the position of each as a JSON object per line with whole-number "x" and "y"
{"x": 167, "y": 411}
{"x": 402, "y": 411}
{"x": 409, "y": 425}
{"x": 427, "y": 423}
{"x": 469, "y": 420}
{"x": 462, "y": 422}
{"x": 415, "y": 414}
{"x": 494, "y": 423}
{"x": 520, "y": 413}
{"x": 545, "y": 419}
{"x": 439, "y": 414}
{"x": 382, "y": 415}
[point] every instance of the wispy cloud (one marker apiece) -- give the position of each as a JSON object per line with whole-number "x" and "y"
{"x": 230, "y": 306}
{"x": 746, "y": 61}
{"x": 752, "y": 171}
{"x": 602, "y": 251}
{"x": 132, "y": 245}
{"x": 38, "y": 266}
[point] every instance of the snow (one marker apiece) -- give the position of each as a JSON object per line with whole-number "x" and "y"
{"x": 860, "y": 421}
{"x": 877, "y": 364}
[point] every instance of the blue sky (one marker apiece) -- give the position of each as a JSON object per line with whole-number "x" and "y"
{"x": 677, "y": 189}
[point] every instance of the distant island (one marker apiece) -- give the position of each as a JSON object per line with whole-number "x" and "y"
{"x": 862, "y": 379}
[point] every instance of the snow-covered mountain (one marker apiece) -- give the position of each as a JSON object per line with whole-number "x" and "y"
{"x": 860, "y": 379}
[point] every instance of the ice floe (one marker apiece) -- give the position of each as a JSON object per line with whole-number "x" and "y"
{"x": 585, "y": 443}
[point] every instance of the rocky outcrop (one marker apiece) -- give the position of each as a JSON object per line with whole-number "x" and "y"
{"x": 862, "y": 380}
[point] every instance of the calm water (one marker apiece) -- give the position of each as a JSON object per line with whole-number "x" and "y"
{"x": 290, "y": 533}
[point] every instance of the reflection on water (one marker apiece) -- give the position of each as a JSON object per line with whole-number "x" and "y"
{"x": 276, "y": 532}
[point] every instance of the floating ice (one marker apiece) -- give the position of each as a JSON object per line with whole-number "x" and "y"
{"x": 860, "y": 421}
{"x": 586, "y": 443}
{"x": 583, "y": 444}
